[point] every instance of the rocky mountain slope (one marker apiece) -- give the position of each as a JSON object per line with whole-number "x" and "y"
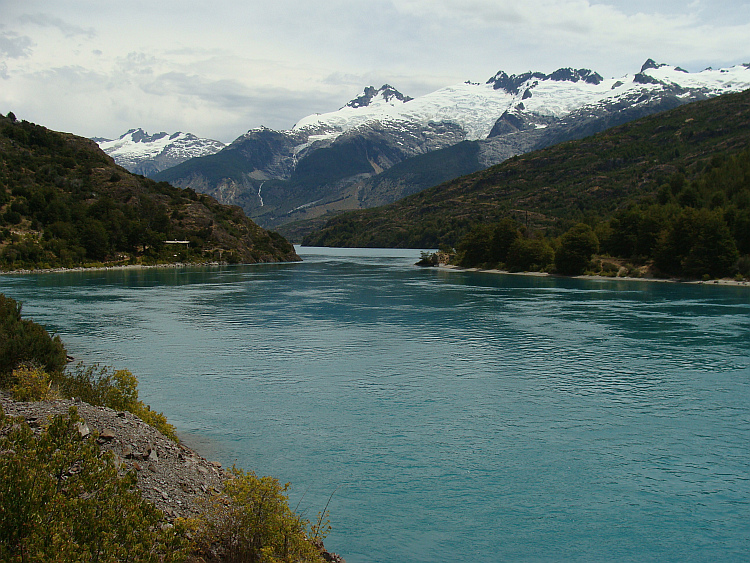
{"x": 338, "y": 160}
{"x": 145, "y": 154}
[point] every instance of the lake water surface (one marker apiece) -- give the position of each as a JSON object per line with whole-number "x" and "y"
{"x": 453, "y": 416}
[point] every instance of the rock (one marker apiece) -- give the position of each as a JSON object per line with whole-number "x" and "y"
{"x": 153, "y": 457}
{"x": 107, "y": 435}
{"x": 83, "y": 429}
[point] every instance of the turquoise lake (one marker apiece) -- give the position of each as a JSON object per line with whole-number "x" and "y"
{"x": 448, "y": 416}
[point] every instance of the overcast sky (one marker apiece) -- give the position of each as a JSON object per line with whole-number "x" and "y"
{"x": 218, "y": 68}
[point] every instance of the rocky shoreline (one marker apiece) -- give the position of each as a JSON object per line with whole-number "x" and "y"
{"x": 114, "y": 267}
{"x": 723, "y": 281}
{"x": 171, "y": 476}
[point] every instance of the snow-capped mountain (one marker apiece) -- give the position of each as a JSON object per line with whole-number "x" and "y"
{"x": 477, "y": 107}
{"x": 334, "y": 161}
{"x": 145, "y": 154}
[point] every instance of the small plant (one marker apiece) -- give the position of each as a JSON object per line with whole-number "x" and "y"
{"x": 117, "y": 390}
{"x": 251, "y": 521}
{"x": 32, "y": 384}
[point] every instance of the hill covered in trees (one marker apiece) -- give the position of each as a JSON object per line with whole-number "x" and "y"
{"x": 649, "y": 190}
{"x": 64, "y": 203}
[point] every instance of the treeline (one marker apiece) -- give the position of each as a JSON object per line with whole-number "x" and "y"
{"x": 64, "y": 203}
{"x": 64, "y": 499}
{"x": 690, "y": 229}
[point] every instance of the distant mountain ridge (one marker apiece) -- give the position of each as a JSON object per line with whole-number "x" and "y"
{"x": 145, "y": 154}
{"x": 332, "y": 162}
{"x": 672, "y": 159}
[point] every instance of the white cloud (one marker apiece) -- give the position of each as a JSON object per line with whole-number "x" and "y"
{"x": 66, "y": 28}
{"x": 15, "y": 46}
{"x": 218, "y": 69}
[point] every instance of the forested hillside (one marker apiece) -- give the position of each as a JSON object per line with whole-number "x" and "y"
{"x": 64, "y": 203}
{"x": 649, "y": 190}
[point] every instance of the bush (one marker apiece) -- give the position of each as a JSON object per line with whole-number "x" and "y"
{"x": 251, "y": 521}
{"x": 25, "y": 342}
{"x": 61, "y": 499}
{"x": 32, "y": 384}
{"x": 117, "y": 390}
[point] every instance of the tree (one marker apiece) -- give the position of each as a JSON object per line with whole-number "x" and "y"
{"x": 473, "y": 248}
{"x": 529, "y": 255}
{"x": 487, "y": 244}
{"x": 697, "y": 243}
{"x": 504, "y": 234}
{"x": 95, "y": 239}
{"x": 577, "y": 246}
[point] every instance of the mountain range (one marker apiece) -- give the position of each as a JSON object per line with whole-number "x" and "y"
{"x": 145, "y": 154}
{"x": 384, "y": 145}
{"x": 631, "y": 181}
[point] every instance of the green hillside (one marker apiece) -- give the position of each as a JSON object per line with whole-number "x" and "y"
{"x": 64, "y": 203}
{"x": 656, "y": 159}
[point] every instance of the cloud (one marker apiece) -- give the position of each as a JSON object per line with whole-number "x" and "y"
{"x": 220, "y": 69}
{"x": 67, "y": 29}
{"x": 15, "y": 46}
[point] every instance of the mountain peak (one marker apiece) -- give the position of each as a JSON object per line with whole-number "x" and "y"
{"x": 513, "y": 83}
{"x": 370, "y": 95}
{"x": 141, "y": 136}
{"x": 651, "y": 63}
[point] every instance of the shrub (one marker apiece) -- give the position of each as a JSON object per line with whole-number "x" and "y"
{"x": 32, "y": 384}
{"x": 25, "y": 342}
{"x": 61, "y": 499}
{"x": 117, "y": 390}
{"x": 251, "y": 521}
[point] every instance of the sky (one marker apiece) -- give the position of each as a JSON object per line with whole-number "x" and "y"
{"x": 98, "y": 68}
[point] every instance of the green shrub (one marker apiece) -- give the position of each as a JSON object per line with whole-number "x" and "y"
{"x": 117, "y": 390}
{"x": 251, "y": 521}
{"x": 32, "y": 384}
{"x": 61, "y": 499}
{"x": 25, "y": 342}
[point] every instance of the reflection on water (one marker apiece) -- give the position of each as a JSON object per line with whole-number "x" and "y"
{"x": 458, "y": 416}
